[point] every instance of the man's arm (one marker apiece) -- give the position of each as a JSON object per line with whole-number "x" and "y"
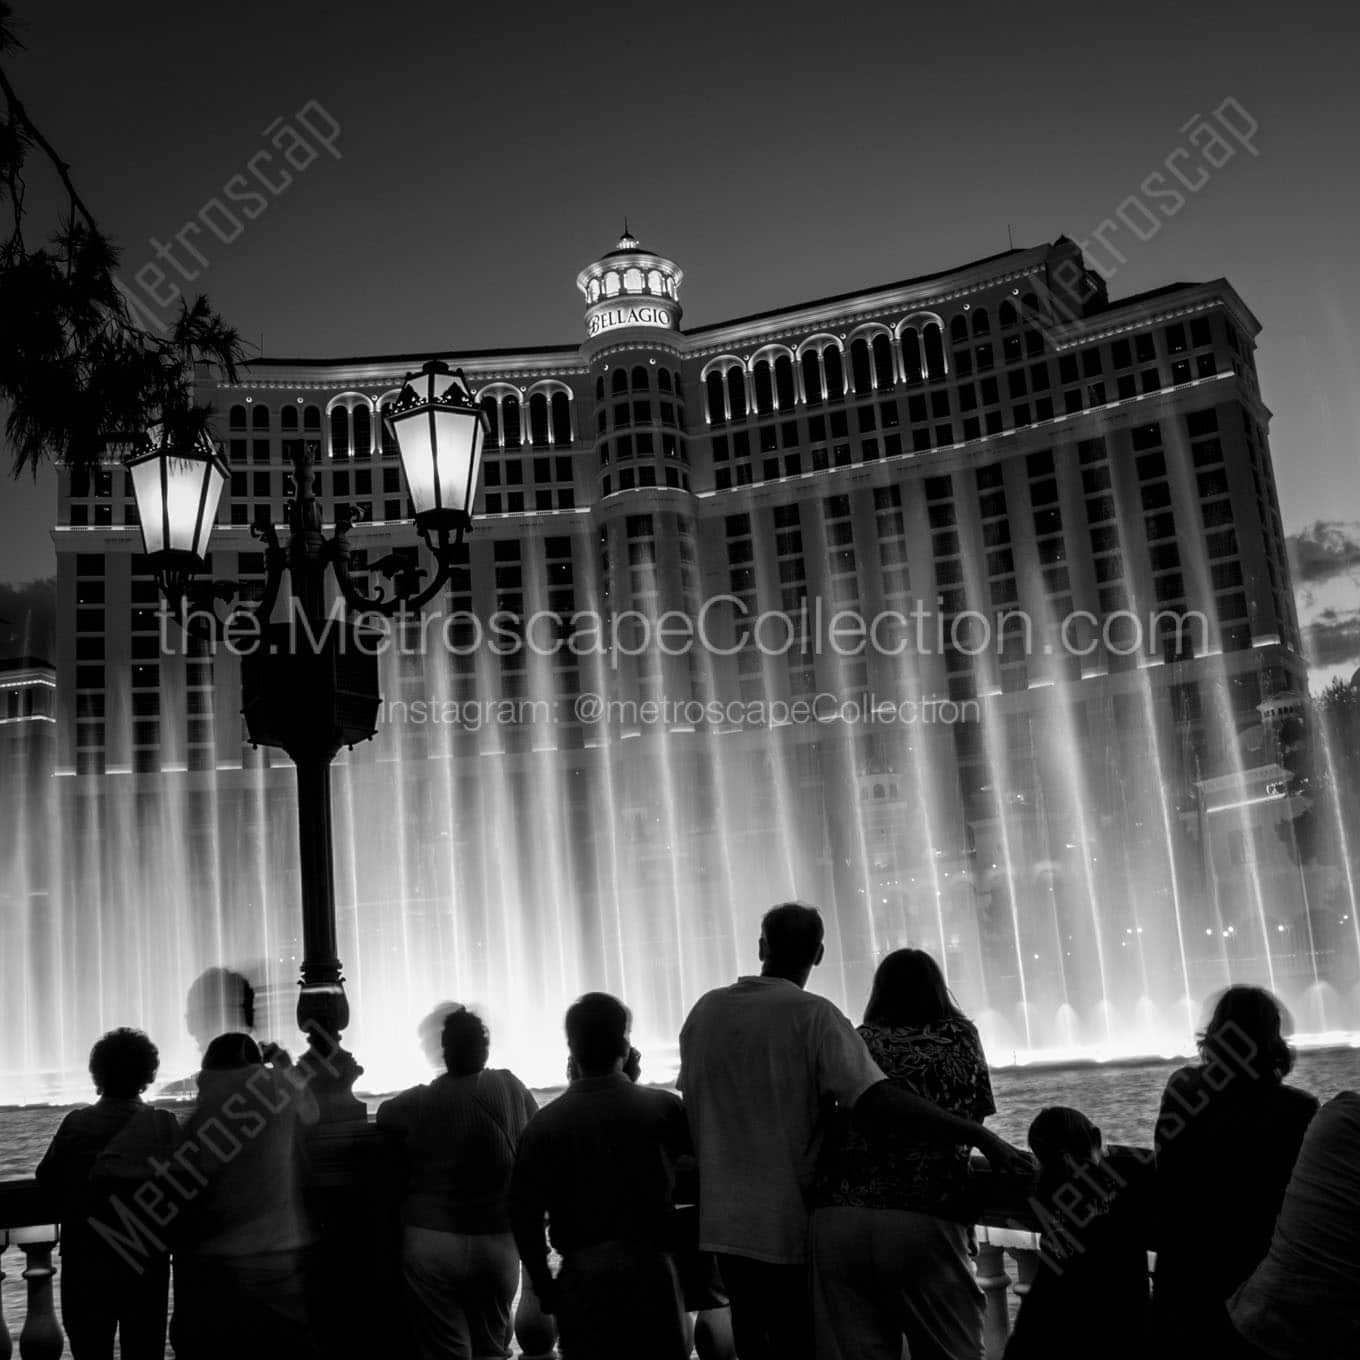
{"x": 890, "y": 1106}
{"x": 528, "y": 1205}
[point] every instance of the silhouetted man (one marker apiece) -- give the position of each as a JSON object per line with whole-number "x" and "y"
{"x": 760, "y": 1062}
{"x": 600, "y": 1163}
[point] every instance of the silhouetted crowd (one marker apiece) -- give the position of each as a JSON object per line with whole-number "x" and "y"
{"x": 809, "y": 1193}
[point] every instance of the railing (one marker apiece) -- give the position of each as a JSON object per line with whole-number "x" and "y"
{"x": 1007, "y": 1227}
{"x": 41, "y": 1337}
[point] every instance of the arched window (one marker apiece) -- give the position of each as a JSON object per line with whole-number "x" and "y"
{"x": 883, "y": 364}
{"x": 510, "y": 422}
{"x": 288, "y": 418}
{"x": 934, "y": 347}
{"x": 663, "y": 379}
{"x": 493, "y": 420}
{"x": 911, "y": 354}
{"x": 736, "y": 392}
{"x": 764, "y": 385}
{"x": 236, "y": 420}
{"x": 259, "y": 417}
{"x": 619, "y": 382}
{"x": 339, "y": 432}
{"x": 958, "y": 330}
{"x": 362, "y": 419}
{"x": 311, "y": 419}
{"x": 1006, "y": 315}
{"x": 611, "y": 284}
{"x": 783, "y": 382}
{"x": 717, "y": 405}
{"x": 835, "y": 373}
{"x": 640, "y": 380}
{"x": 538, "y": 419}
{"x": 390, "y": 448}
{"x": 861, "y": 375}
{"x": 980, "y": 323}
{"x": 593, "y": 291}
{"x": 599, "y": 388}
{"x": 632, "y": 280}
{"x": 812, "y": 376}
{"x": 561, "y": 418}
{"x": 654, "y": 284}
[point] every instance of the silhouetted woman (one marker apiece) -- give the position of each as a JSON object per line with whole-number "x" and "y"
{"x": 1227, "y": 1137}
{"x": 243, "y": 1235}
{"x": 891, "y": 1242}
{"x": 89, "y": 1175}
{"x": 458, "y": 1137}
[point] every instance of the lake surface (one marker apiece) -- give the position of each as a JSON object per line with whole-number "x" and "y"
{"x": 1121, "y": 1098}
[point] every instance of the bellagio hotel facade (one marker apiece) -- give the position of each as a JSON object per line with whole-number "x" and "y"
{"x": 999, "y": 436}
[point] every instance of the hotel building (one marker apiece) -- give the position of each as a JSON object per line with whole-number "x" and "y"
{"x": 997, "y": 438}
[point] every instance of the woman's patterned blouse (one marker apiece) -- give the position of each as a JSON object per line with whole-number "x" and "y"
{"x": 888, "y": 1168}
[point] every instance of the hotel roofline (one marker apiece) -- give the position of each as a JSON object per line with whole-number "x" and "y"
{"x": 856, "y": 306}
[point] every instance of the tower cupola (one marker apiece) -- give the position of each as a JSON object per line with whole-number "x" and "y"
{"x": 630, "y": 287}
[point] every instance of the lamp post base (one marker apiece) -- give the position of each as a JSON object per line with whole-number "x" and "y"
{"x": 322, "y": 1013}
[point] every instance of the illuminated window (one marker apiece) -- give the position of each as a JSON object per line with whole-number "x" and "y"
{"x": 632, "y": 280}
{"x": 611, "y": 284}
{"x": 736, "y": 392}
{"x": 911, "y": 355}
{"x": 538, "y": 419}
{"x": 861, "y": 371}
{"x": 362, "y": 419}
{"x": 561, "y": 418}
{"x": 883, "y": 363}
{"x": 339, "y": 432}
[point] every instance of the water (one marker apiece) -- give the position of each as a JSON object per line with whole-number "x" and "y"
{"x": 1088, "y": 873}
{"x": 1122, "y": 1099}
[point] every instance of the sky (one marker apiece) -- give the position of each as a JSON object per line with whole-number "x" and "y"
{"x": 776, "y": 152}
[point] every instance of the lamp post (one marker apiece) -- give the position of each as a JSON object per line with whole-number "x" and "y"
{"x": 313, "y": 694}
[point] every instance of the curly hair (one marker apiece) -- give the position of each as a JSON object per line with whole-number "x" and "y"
{"x": 124, "y": 1063}
{"x": 466, "y": 1043}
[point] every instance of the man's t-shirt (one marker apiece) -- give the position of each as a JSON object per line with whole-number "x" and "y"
{"x": 1303, "y": 1300}
{"x": 760, "y": 1063}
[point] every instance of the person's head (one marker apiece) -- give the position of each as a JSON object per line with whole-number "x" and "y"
{"x": 1246, "y": 1035}
{"x": 123, "y": 1063}
{"x": 465, "y": 1043}
{"x": 219, "y": 999}
{"x": 597, "y": 1033}
{"x": 1063, "y": 1141}
{"x": 909, "y": 991}
{"x": 230, "y": 1052}
{"x": 791, "y": 941}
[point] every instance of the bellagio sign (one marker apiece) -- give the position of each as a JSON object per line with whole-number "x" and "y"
{"x": 613, "y": 317}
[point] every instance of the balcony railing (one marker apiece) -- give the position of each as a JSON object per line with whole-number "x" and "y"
{"x": 1007, "y": 1227}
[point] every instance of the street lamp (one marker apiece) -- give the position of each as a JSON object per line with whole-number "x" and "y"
{"x": 311, "y": 695}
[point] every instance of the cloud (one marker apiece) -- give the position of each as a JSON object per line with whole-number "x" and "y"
{"x": 1332, "y": 638}
{"x": 1323, "y": 551}
{"x": 28, "y": 618}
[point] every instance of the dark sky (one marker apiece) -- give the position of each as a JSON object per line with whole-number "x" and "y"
{"x": 777, "y": 152}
